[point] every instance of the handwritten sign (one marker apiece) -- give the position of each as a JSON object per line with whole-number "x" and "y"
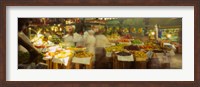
{"x": 125, "y": 58}
{"x": 61, "y": 60}
{"x": 108, "y": 54}
{"x": 81, "y": 60}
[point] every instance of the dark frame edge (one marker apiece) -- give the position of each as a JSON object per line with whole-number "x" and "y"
{"x": 197, "y": 37}
{"x": 100, "y": 2}
{"x": 3, "y": 43}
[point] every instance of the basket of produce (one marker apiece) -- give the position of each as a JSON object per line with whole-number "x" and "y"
{"x": 64, "y": 54}
{"x": 131, "y": 47}
{"x": 77, "y": 49}
{"x": 137, "y": 42}
{"x": 82, "y": 58}
{"x": 140, "y": 56}
{"x": 116, "y": 48}
{"x": 62, "y": 57}
{"x": 124, "y": 56}
{"x": 48, "y": 56}
{"x": 124, "y": 41}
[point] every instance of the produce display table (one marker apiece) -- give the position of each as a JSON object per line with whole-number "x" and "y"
{"x": 48, "y": 62}
{"x": 60, "y": 62}
{"x": 120, "y": 56}
{"x": 140, "y": 63}
{"x": 54, "y": 63}
{"x": 153, "y": 63}
{"x": 58, "y": 58}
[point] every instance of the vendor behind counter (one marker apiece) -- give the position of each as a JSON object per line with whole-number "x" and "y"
{"x": 101, "y": 43}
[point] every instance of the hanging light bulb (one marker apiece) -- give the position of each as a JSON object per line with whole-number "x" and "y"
{"x": 169, "y": 35}
{"x": 152, "y": 33}
{"x": 56, "y": 29}
{"x": 59, "y": 25}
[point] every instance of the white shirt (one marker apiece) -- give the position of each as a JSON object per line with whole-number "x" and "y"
{"x": 79, "y": 39}
{"x": 68, "y": 40}
{"x": 102, "y": 41}
{"x": 85, "y": 34}
{"x": 90, "y": 43}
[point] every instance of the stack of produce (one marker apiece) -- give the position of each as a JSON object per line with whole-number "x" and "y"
{"x": 117, "y": 48}
{"x": 140, "y": 56}
{"x": 150, "y": 46}
{"x": 146, "y": 47}
{"x": 79, "y": 48}
{"x": 39, "y": 41}
{"x": 123, "y": 53}
{"x": 113, "y": 37}
{"x": 55, "y": 39}
{"x": 58, "y": 53}
{"x": 39, "y": 44}
{"x": 64, "y": 54}
{"x": 124, "y": 41}
{"x": 140, "y": 30}
{"x": 83, "y": 54}
{"x": 131, "y": 47}
{"x": 137, "y": 42}
{"x": 127, "y": 36}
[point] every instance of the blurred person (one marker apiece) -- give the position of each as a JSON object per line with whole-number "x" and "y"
{"x": 79, "y": 39}
{"x": 101, "y": 43}
{"x": 101, "y": 40}
{"x": 90, "y": 42}
{"x": 68, "y": 38}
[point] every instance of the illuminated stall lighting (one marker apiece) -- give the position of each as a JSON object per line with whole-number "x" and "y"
{"x": 152, "y": 33}
{"x": 169, "y": 35}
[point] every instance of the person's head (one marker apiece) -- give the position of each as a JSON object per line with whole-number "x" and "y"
{"x": 95, "y": 28}
{"x": 81, "y": 33}
{"x": 70, "y": 29}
